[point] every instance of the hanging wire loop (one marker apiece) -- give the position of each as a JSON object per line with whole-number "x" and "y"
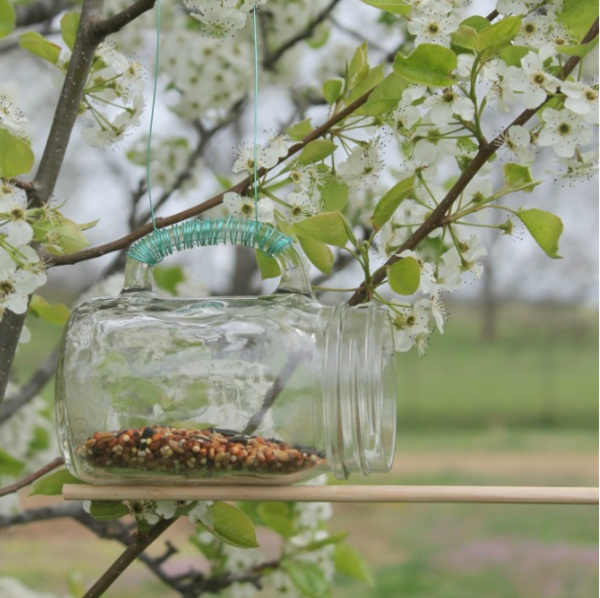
{"x": 153, "y": 248}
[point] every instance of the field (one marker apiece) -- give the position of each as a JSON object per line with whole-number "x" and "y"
{"x": 520, "y": 411}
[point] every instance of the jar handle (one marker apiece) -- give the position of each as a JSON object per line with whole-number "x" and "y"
{"x": 153, "y": 248}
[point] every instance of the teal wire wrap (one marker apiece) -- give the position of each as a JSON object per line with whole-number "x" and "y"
{"x": 160, "y": 243}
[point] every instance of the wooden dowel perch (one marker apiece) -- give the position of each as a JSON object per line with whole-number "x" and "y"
{"x": 434, "y": 494}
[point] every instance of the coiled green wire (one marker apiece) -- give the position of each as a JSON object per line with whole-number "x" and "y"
{"x": 163, "y": 242}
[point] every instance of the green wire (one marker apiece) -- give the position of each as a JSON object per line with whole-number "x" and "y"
{"x": 255, "y": 113}
{"x": 148, "y": 150}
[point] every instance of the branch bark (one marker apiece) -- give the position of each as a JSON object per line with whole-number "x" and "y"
{"x": 40, "y": 11}
{"x": 31, "y": 477}
{"x": 435, "y": 219}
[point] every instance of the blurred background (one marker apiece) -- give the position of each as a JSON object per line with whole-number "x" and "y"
{"x": 507, "y": 395}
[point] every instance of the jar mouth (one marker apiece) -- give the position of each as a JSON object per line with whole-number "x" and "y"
{"x": 359, "y": 390}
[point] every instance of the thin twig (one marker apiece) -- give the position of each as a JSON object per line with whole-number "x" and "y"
{"x": 32, "y": 477}
{"x": 100, "y": 29}
{"x": 435, "y": 219}
{"x": 127, "y": 557}
{"x": 40, "y": 11}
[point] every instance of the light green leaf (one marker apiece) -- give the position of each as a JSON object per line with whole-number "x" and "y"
{"x": 476, "y": 22}
{"x": 268, "y": 266}
{"x": 68, "y": 28}
{"x": 328, "y": 227}
{"x": 33, "y": 42}
{"x": 67, "y": 236}
{"x": 349, "y": 560}
{"x": 108, "y": 510}
{"x": 320, "y": 36}
{"x": 498, "y": 34}
{"x": 428, "y": 64}
{"x": 7, "y": 18}
{"x": 316, "y": 150}
{"x": 545, "y": 228}
{"x": 334, "y": 196}
{"x": 464, "y": 37}
{"x": 318, "y": 253}
{"x": 233, "y": 526}
{"x": 359, "y": 66}
{"x": 278, "y": 516}
{"x": 373, "y": 78}
{"x": 385, "y": 96}
{"x": 307, "y": 577}
{"x": 332, "y": 89}
{"x": 300, "y": 130}
{"x": 51, "y": 485}
{"x": 168, "y": 277}
{"x": 9, "y": 465}
{"x": 55, "y": 314}
{"x": 332, "y": 539}
{"x": 16, "y": 156}
{"x": 513, "y": 55}
{"x": 578, "y": 16}
{"x": 518, "y": 178}
{"x": 389, "y": 203}
{"x": 579, "y": 50}
{"x": 397, "y": 7}
{"x": 404, "y": 276}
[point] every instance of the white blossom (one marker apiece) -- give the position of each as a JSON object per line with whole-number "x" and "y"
{"x": 447, "y": 104}
{"x": 301, "y": 206}
{"x": 563, "y": 131}
{"x": 266, "y": 158}
{"x": 515, "y": 7}
{"x": 13, "y": 215}
{"x": 581, "y": 99}
{"x": 517, "y": 141}
{"x": 409, "y": 324}
{"x": 501, "y": 92}
{"x": 362, "y": 166}
{"x": 16, "y": 284}
{"x": 433, "y": 28}
{"x": 244, "y": 206}
{"x": 11, "y": 118}
{"x": 583, "y": 167}
{"x": 532, "y": 80}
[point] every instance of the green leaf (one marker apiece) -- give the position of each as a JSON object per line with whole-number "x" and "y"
{"x": 332, "y": 89}
{"x": 464, "y": 37}
{"x": 16, "y": 156}
{"x": 307, "y": 577}
{"x": 278, "y": 516}
{"x": 328, "y": 227}
{"x": 349, "y": 560}
{"x": 498, "y": 34}
{"x": 108, "y": 510}
{"x": 232, "y": 526}
{"x": 513, "y": 55}
{"x": 51, "y": 485}
{"x": 33, "y": 42}
{"x": 545, "y": 228}
{"x": 373, "y": 78}
{"x": 55, "y": 314}
{"x": 476, "y": 22}
{"x": 67, "y": 236}
{"x": 389, "y": 203}
{"x": 316, "y": 150}
{"x": 7, "y": 18}
{"x": 428, "y": 64}
{"x": 318, "y": 253}
{"x": 404, "y": 276}
{"x": 300, "y": 130}
{"x": 385, "y": 96}
{"x": 168, "y": 277}
{"x": 397, "y": 7}
{"x": 334, "y": 196}
{"x": 332, "y": 539}
{"x": 68, "y": 28}
{"x": 518, "y": 178}
{"x": 578, "y": 16}
{"x": 268, "y": 266}
{"x": 9, "y": 465}
{"x": 580, "y": 50}
{"x": 319, "y": 37}
{"x": 359, "y": 66}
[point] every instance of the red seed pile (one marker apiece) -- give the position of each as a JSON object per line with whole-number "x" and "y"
{"x": 181, "y": 450}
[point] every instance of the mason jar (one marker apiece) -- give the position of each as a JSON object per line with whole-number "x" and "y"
{"x": 244, "y": 390}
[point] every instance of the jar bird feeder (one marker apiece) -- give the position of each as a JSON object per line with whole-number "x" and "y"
{"x": 154, "y": 390}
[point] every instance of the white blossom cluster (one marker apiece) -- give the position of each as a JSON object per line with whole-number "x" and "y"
{"x": 220, "y": 18}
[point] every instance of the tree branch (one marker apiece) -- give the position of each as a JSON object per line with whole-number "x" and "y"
{"x": 40, "y": 11}
{"x": 11, "y": 325}
{"x": 32, "y": 477}
{"x": 435, "y": 219}
{"x": 100, "y": 29}
{"x": 241, "y": 187}
{"x": 271, "y": 59}
{"x": 30, "y": 388}
{"x": 127, "y": 557}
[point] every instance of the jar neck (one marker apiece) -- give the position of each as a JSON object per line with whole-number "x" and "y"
{"x": 358, "y": 389}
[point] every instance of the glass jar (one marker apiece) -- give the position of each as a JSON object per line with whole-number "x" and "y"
{"x": 272, "y": 389}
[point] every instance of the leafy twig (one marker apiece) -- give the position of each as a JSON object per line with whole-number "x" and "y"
{"x": 32, "y": 477}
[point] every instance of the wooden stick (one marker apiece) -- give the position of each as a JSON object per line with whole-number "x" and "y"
{"x": 341, "y": 493}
